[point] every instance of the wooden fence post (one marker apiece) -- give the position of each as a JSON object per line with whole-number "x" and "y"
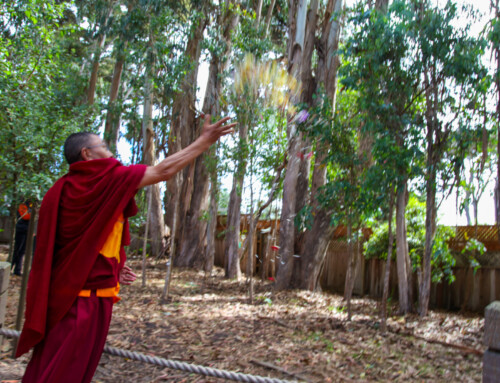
{"x": 4, "y": 286}
{"x": 491, "y": 357}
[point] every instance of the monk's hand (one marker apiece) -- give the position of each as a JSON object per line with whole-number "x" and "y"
{"x": 212, "y": 132}
{"x": 127, "y": 276}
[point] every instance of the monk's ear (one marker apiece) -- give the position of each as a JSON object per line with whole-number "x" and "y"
{"x": 84, "y": 154}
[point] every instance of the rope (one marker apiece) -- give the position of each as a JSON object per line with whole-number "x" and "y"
{"x": 187, "y": 367}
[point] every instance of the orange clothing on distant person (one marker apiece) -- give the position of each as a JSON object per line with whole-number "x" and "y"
{"x": 24, "y": 212}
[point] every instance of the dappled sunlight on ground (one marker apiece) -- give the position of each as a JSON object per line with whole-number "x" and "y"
{"x": 293, "y": 335}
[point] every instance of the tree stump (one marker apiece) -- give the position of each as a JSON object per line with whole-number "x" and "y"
{"x": 491, "y": 357}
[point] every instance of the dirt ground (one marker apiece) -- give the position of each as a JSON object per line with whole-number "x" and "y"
{"x": 295, "y": 335}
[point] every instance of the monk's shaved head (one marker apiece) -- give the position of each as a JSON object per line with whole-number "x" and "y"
{"x": 74, "y": 145}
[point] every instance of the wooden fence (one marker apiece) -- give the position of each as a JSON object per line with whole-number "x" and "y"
{"x": 471, "y": 290}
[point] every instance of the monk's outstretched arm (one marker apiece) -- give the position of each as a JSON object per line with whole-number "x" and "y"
{"x": 177, "y": 161}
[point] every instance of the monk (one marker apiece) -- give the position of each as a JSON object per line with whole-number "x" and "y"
{"x": 79, "y": 262}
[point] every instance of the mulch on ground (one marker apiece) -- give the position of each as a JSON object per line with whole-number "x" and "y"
{"x": 292, "y": 335}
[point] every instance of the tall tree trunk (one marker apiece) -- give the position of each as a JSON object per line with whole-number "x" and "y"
{"x": 401, "y": 253}
{"x": 496, "y": 9}
{"x": 99, "y": 45}
{"x": 315, "y": 249}
{"x": 112, "y": 124}
{"x": 183, "y": 132}
{"x": 297, "y": 19}
{"x": 211, "y": 226}
{"x": 385, "y": 294}
{"x": 232, "y": 258}
{"x": 313, "y": 244}
{"x": 173, "y": 251}
{"x": 351, "y": 268}
{"x": 194, "y": 240}
{"x": 250, "y": 252}
{"x": 149, "y": 194}
{"x": 156, "y": 222}
{"x": 269, "y": 15}
{"x": 425, "y": 283}
{"x": 111, "y": 127}
{"x": 430, "y": 187}
{"x": 95, "y": 69}
{"x": 258, "y": 12}
{"x": 307, "y": 92}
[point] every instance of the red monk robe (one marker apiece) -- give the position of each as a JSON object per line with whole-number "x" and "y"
{"x": 76, "y": 217}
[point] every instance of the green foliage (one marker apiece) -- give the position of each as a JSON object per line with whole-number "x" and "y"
{"x": 39, "y": 88}
{"x": 472, "y": 249}
{"x": 223, "y": 200}
{"x": 442, "y": 260}
{"x": 337, "y": 139}
{"x": 260, "y": 99}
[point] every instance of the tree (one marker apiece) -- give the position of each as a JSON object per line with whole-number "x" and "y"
{"x": 380, "y": 68}
{"x": 198, "y": 247}
{"x": 494, "y": 38}
{"x": 183, "y": 130}
{"x": 39, "y": 86}
{"x": 296, "y": 192}
{"x": 260, "y": 89}
{"x": 451, "y": 68}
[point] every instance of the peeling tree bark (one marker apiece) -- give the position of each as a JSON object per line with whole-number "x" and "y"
{"x": 184, "y": 130}
{"x": 197, "y": 234}
{"x": 297, "y": 19}
{"x": 317, "y": 239}
{"x": 311, "y": 245}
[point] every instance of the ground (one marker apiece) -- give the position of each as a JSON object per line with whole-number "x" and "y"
{"x": 295, "y": 335}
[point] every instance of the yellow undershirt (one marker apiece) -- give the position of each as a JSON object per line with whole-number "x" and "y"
{"x": 111, "y": 248}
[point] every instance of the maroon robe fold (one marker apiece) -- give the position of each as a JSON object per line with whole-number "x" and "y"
{"x": 76, "y": 216}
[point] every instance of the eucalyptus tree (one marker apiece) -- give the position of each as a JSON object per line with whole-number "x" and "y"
{"x": 128, "y": 24}
{"x": 185, "y": 125}
{"x": 451, "y": 70}
{"x": 261, "y": 98}
{"x": 40, "y": 86}
{"x": 197, "y": 247}
{"x": 249, "y": 36}
{"x": 494, "y": 39}
{"x": 480, "y": 153}
{"x": 380, "y": 67}
{"x": 342, "y": 198}
{"x": 219, "y": 48}
{"x": 100, "y": 17}
{"x": 313, "y": 40}
{"x": 415, "y": 72}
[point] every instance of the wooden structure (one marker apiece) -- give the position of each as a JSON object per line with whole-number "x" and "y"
{"x": 488, "y": 235}
{"x": 471, "y": 290}
{"x": 491, "y": 357}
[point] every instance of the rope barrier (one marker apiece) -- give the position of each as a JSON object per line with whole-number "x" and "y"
{"x": 187, "y": 367}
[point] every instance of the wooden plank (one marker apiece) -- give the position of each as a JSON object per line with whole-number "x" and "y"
{"x": 491, "y": 336}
